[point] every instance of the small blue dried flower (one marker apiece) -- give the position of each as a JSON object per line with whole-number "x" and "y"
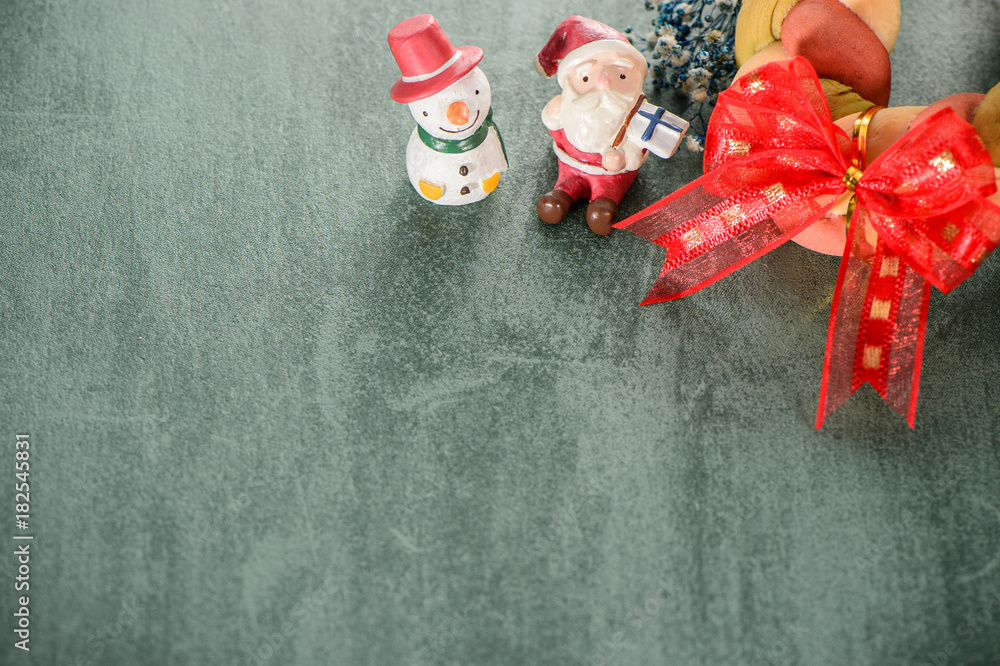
{"x": 691, "y": 50}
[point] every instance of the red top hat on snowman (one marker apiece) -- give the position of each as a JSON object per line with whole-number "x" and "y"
{"x": 427, "y": 59}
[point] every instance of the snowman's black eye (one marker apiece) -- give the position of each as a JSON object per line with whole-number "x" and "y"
{"x": 585, "y": 79}
{"x": 477, "y": 92}
{"x": 425, "y": 113}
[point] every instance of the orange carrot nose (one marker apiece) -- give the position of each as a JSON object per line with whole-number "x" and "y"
{"x": 458, "y": 113}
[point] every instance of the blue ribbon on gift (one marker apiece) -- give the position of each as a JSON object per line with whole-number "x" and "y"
{"x": 656, "y": 118}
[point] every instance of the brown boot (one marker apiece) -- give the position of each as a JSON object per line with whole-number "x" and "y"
{"x": 554, "y": 206}
{"x": 601, "y": 214}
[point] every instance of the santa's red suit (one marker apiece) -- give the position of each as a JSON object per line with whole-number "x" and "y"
{"x": 582, "y": 176}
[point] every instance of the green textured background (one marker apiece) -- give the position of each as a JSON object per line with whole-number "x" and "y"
{"x": 283, "y": 411}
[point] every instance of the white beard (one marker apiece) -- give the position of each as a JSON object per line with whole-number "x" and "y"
{"x": 592, "y": 121}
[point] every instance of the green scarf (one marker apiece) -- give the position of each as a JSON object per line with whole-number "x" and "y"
{"x": 455, "y": 146}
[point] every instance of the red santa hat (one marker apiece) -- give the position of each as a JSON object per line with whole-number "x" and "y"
{"x": 427, "y": 59}
{"x": 578, "y": 38}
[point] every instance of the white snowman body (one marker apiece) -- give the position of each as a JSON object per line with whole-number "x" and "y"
{"x": 443, "y": 166}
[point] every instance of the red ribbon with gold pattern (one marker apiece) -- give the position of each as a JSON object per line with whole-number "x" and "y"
{"x": 775, "y": 162}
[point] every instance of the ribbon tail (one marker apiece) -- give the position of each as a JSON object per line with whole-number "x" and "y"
{"x": 708, "y": 235}
{"x": 842, "y": 332}
{"x": 876, "y": 331}
{"x": 906, "y": 347}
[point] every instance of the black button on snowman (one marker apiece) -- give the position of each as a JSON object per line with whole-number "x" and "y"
{"x": 455, "y": 154}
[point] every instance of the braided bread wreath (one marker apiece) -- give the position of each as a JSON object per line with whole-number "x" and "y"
{"x": 789, "y": 50}
{"x": 848, "y": 44}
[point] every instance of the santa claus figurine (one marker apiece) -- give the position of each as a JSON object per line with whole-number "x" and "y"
{"x": 601, "y": 125}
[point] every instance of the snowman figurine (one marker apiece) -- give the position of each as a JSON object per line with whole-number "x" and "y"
{"x": 455, "y": 155}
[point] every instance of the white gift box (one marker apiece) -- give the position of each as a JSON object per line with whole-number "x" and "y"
{"x": 657, "y": 130}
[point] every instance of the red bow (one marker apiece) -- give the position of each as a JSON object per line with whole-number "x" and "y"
{"x": 775, "y": 163}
